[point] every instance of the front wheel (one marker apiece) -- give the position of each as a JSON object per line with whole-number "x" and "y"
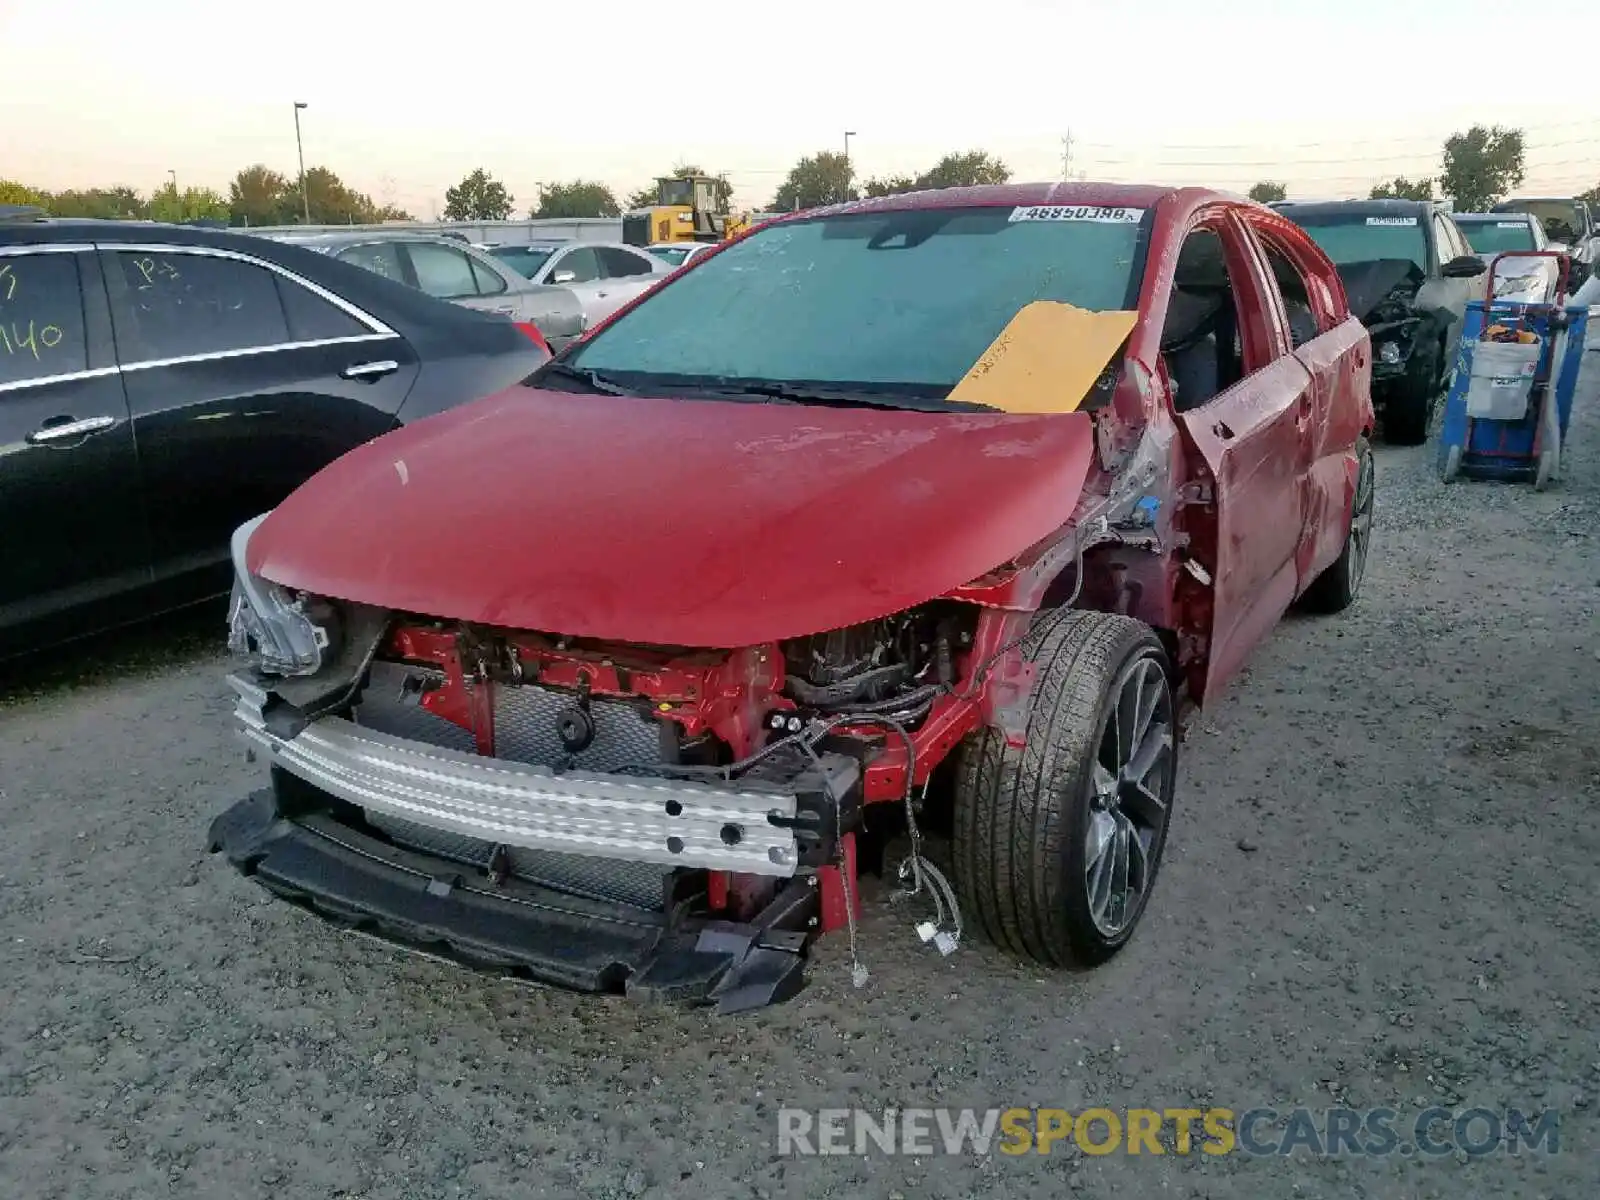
{"x": 1410, "y": 406}
{"x": 1057, "y": 843}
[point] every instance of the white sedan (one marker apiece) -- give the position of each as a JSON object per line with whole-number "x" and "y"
{"x": 1517, "y": 279}
{"x": 603, "y": 275}
{"x": 679, "y": 253}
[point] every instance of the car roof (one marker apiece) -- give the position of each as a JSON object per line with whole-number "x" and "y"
{"x": 1116, "y": 195}
{"x": 414, "y": 313}
{"x": 355, "y": 236}
{"x": 1372, "y": 208}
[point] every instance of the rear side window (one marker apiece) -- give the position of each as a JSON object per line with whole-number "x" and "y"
{"x": 313, "y": 319}
{"x": 489, "y": 283}
{"x": 619, "y": 264}
{"x": 41, "y": 317}
{"x": 381, "y": 258}
{"x": 167, "y": 304}
{"x": 442, "y": 271}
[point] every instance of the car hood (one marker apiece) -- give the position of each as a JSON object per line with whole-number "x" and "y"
{"x": 1368, "y": 284}
{"x": 674, "y": 522}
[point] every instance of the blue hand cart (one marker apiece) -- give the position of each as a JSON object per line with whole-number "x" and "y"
{"x": 1510, "y": 402}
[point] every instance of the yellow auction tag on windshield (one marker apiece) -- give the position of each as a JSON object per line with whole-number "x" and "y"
{"x": 1046, "y": 360}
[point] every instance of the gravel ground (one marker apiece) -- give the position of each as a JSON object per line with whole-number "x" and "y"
{"x": 1379, "y": 892}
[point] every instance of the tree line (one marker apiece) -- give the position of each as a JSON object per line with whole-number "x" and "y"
{"x": 1478, "y": 169}
{"x": 258, "y": 195}
{"x": 821, "y": 178}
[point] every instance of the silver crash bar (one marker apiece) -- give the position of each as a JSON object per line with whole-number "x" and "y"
{"x": 675, "y": 822}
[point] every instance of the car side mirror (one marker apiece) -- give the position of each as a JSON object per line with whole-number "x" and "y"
{"x": 1467, "y": 266}
{"x": 563, "y": 276}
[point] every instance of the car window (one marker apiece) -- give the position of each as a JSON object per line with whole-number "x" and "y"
{"x": 581, "y": 261}
{"x": 381, "y": 258}
{"x": 313, "y": 319}
{"x": 442, "y": 271}
{"x": 1200, "y": 340}
{"x": 620, "y": 264}
{"x": 174, "y": 304}
{"x": 1562, "y": 219}
{"x": 488, "y": 280}
{"x": 1360, "y": 237}
{"x": 910, "y": 298}
{"x": 1296, "y": 294}
{"x": 1449, "y": 238}
{"x": 675, "y": 255}
{"x": 524, "y": 260}
{"x": 1494, "y": 237}
{"x": 41, "y": 317}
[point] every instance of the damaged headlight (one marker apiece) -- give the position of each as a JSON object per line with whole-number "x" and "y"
{"x": 1532, "y": 286}
{"x": 279, "y": 630}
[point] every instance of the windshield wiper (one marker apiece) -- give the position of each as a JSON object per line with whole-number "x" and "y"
{"x": 790, "y": 393}
{"x": 583, "y": 375}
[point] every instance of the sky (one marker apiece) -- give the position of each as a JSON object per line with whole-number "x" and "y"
{"x": 405, "y": 99}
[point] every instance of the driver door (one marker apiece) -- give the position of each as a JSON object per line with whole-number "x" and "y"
{"x": 1249, "y": 444}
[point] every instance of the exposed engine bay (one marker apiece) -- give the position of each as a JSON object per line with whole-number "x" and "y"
{"x": 458, "y": 743}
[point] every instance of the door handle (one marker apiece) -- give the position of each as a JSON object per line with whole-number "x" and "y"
{"x": 64, "y": 429}
{"x": 508, "y": 309}
{"x": 371, "y": 370}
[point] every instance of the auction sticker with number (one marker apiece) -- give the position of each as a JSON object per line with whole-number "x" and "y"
{"x": 1391, "y": 220}
{"x": 1077, "y": 212}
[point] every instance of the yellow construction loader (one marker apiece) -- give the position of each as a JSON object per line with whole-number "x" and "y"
{"x": 687, "y": 209}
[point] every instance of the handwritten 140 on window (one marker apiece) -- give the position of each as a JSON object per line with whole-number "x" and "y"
{"x": 17, "y": 337}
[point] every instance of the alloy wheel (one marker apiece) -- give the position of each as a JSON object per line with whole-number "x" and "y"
{"x": 1132, "y": 781}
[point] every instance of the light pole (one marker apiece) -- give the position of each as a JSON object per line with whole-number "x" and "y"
{"x": 174, "y": 176}
{"x": 848, "y": 134}
{"x": 305, "y": 200}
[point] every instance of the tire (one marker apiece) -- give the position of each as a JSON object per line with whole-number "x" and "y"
{"x": 1410, "y": 407}
{"x": 1023, "y": 816}
{"x": 1337, "y": 587}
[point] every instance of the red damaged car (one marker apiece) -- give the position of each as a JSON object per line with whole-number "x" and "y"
{"x": 937, "y": 508}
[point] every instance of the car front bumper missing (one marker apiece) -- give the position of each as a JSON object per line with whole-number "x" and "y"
{"x": 514, "y": 928}
{"x": 320, "y": 837}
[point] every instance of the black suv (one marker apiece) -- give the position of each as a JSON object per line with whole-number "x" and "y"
{"x": 1408, "y": 271}
{"x": 160, "y": 384}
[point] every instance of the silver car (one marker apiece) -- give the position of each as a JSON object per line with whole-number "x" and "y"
{"x": 452, "y": 270}
{"x": 677, "y": 254}
{"x": 1516, "y": 279}
{"x": 605, "y": 275}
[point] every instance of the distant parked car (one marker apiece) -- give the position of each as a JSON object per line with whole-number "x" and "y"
{"x": 1522, "y": 280}
{"x": 605, "y": 275}
{"x": 1408, "y": 272}
{"x": 679, "y": 253}
{"x": 161, "y": 383}
{"x": 1567, "y": 221}
{"x": 450, "y": 269}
